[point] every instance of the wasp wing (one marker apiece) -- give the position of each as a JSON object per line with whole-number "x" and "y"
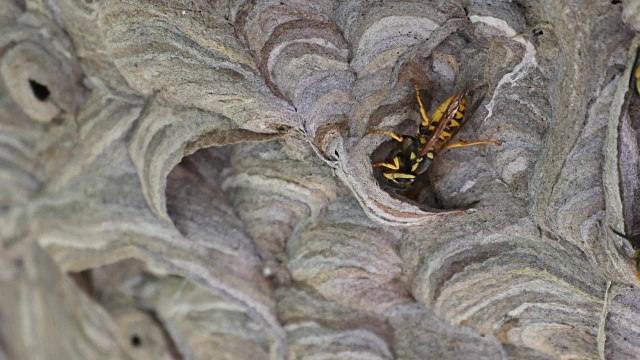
{"x": 449, "y": 113}
{"x": 434, "y": 140}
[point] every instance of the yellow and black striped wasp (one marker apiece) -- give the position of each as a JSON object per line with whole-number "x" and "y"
{"x": 414, "y": 154}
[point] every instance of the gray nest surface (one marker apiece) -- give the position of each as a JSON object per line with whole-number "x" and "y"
{"x": 193, "y": 180}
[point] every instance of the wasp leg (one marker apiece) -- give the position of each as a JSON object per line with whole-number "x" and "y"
{"x": 423, "y": 112}
{"x": 394, "y": 166}
{"x": 404, "y": 178}
{"x": 392, "y": 134}
{"x": 471, "y": 143}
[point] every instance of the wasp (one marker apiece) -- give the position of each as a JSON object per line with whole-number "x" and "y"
{"x": 413, "y": 155}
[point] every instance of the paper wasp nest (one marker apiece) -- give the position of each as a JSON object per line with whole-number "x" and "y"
{"x": 193, "y": 180}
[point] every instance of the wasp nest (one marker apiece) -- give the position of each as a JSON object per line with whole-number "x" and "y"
{"x": 193, "y": 180}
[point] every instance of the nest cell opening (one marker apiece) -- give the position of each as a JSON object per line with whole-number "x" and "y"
{"x": 41, "y": 92}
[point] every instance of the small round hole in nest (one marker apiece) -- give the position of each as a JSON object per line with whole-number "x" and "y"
{"x": 40, "y": 91}
{"x": 135, "y": 340}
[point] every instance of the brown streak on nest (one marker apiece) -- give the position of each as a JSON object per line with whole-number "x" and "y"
{"x": 503, "y": 333}
{"x": 406, "y": 215}
{"x": 282, "y": 31}
{"x": 328, "y": 132}
{"x": 227, "y": 137}
{"x": 444, "y": 274}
